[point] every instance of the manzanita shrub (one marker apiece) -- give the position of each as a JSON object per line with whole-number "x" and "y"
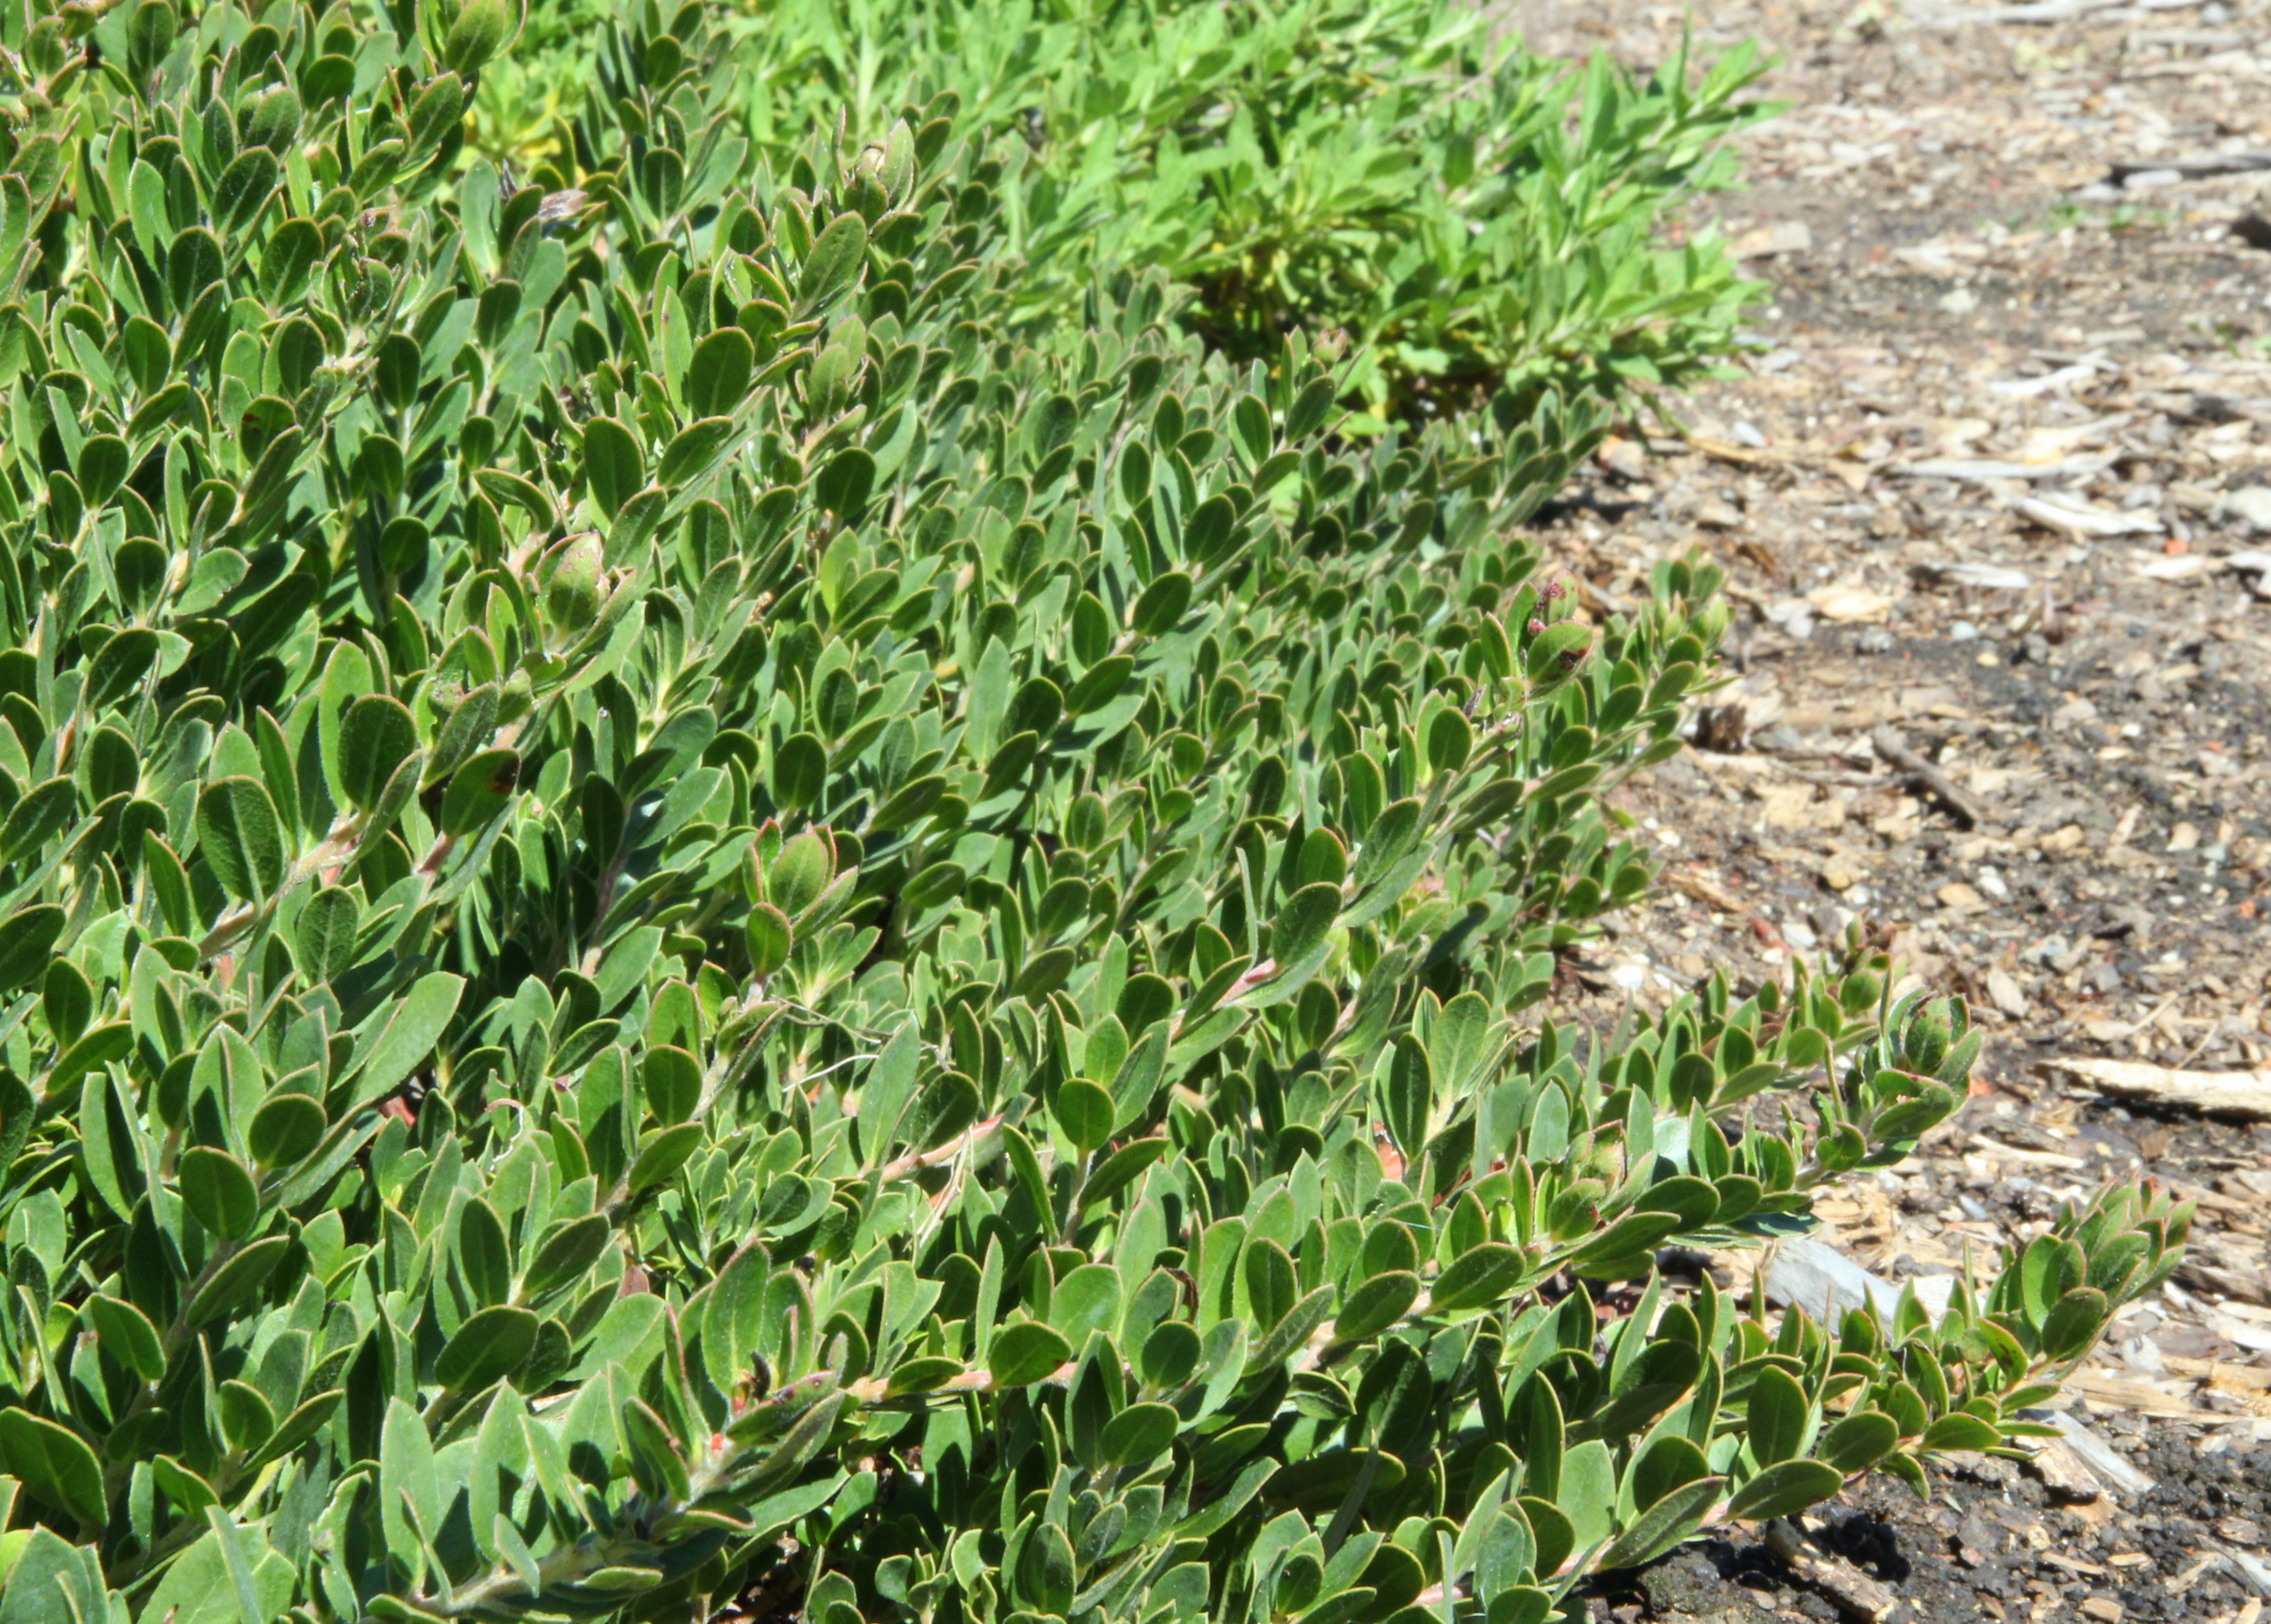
{"x": 684, "y": 918}
{"x": 1479, "y": 217}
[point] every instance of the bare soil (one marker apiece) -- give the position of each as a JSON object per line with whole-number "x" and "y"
{"x": 1997, "y": 480}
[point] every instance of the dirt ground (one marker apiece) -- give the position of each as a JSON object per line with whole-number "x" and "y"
{"x": 1996, "y": 490}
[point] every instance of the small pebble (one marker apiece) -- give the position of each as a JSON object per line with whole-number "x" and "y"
{"x": 1992, "y": 883}
{"x": 1875, "y": 640}
{"x": 1800, "y": 935}
{"x": 1962, "y": 631}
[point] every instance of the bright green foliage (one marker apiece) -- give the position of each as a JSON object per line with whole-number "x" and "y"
{"x": 675, "y": 913}
{"x": 1476, "y": 217}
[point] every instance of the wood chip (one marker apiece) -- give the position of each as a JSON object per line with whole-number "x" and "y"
{"x": 1857, "y": 1595}
{"x": 2037, "y": 13}
{"x": 2230, "y": 1377}
{"x": 1849, "y": 602}
{"x": 2239, "y": 1094}
{"x": 1806, "y": 1274}
{"x": 1704, "y": 889}
{"x": 2081, "y": 1463}
{"x": 2196, "y": 1274}
{"x": 1979, "y": 469}
{"x": 1763, "y": 242}
{"x": 2138, "y": 1398}
{"x": 2246, "y": 1567}
{"x": 2192, "y": 169}
{"x": 2079, "y": 518}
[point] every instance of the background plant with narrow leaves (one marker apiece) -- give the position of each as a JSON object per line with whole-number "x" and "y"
{"x": 683, "y": 909}
{"x": 1480, "y": 219}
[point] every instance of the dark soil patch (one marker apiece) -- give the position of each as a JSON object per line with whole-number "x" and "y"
{"x": 1993, "y": 1544}
{"x": 1982, "y": 485}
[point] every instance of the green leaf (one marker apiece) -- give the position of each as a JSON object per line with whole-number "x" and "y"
{"x": 1303, "y": 921}
{"x": 1319, "y": 1484}
{"x": 842, "y": 487}
{"x": 692, "y": 449}
{"x": 2073, "y": 1323}
{"x": 1122, "y": 1168}
{"x": 53, "y": 1464}
{"x": 323, "y": 936}
{"x": 127, "y": 1334}
{"x": 1666, "y": 1523}
{"x": 219, "y": 1193}
{"x": 800, "y": 874}
{"x": 718, "y": 375}
{"x": 409, "y": 1482}
{"x": 286, "y": 1130}
{"x": 1778, "y": 1416}
{"x": 1170, "y": 1356}
{"x": 376, "y": 736}
{"x": 769, "y": 938}
{"x": 1084, "y": 1112}
{"x": 1958, "y": 1431}
{"x": 1139, "y": 1433}
{"x": 663, "y": 1155}
{"x": 565, "y": 1254}
{"x": 1785, "y": 1489}
{"x": 1478, "y": 1278}
{"x": 1858, "y": 1442}
{"x": 483, "y": 29}
{"x": 413, "y": 1028}
{"x": 833, "y": 262}
{"x": 480, "y": 791}
{"x": 1556, "y": 654}
{"x": 1633, "y": 1235}
{"x": 613, "y": 466}
{"x": 1292, "y": 1331}
{"x": 1023, "y": 1353}
{"x": 124, "y": 662}
{"x": 1587, "y": 1492}
{"x": 800, "y": 771}
{"x": 1408, "y": 1099}
{"x": 240, "y": 838}
{"x": 1374, "y": 1306}
{"x": 1161, "y": 604}
{"x": 234, "y": 1284}
{"x": 492, "y": 1343}
{"x": 27, "y": 942}
{"x": 1668, "y": 1463}
{"x": 1046, "y": 1570}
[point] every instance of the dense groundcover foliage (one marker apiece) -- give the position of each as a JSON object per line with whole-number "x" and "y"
{"x": 1483, "y": 220}
{"x": 685, "y": 906}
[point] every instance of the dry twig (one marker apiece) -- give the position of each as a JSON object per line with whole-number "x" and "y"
{"x": 2238, "y": 1093}
{"x": 1923, "y": 773}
